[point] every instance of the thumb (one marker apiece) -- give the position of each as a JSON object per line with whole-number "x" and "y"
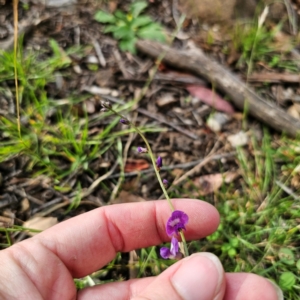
{"x": 199, "y": 276}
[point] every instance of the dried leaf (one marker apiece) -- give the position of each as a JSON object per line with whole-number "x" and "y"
{"x": 131, "y": 185}
{"x": 177, "y": 173}
{"x": 165, "y": 99}
{"x": 294, "y": 111}
{"x": 25, "y": 205}
{"x": 218, "y": 12}
{"x": 211, "y": 183}
{"x": 125, "y": 197}
{"x": 40, "y": 223}
{"x": 6, "y": 221}
{"x": 136, "y": 165}
{"x": 210, "y": 97}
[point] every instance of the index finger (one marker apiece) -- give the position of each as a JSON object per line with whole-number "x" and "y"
{"x": 89, "y": 241}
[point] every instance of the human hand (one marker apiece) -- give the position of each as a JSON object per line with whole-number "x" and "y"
{"x": 44, "y": 266}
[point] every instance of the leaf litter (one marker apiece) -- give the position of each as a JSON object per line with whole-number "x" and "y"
{"x": 94, "y": 62}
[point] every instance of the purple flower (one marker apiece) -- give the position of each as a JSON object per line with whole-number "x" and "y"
{"x": 142, "y": 150}
{"x": 173, "y": 252}
{"x": 176, "y": 222}
{"x": 165, "y": 182}
{"x": 159, "y": 163}
{"x": 124, "y": 121}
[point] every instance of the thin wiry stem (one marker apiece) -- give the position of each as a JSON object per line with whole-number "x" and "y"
{"x": 186, "y": 251}
{"x": 107, "y": 106}
{"x": 15, "y": 9}
{"x": 155, "y": 168}
{"x": 150, "y": 154}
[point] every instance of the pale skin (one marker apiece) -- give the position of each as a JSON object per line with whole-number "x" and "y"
{"x": 43, "y": 267}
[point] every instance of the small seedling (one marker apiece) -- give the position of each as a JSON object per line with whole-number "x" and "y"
{"x": 127, "y": 28}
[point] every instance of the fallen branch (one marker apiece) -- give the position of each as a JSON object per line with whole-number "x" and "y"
{"x": 274, "y": 77}
{"x": 241, "y": 95}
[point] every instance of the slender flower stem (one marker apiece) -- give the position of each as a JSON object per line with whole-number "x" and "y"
{"x": 150, "y": 154}
{"x": 155, "y": 168}
{"x": 186, "y": 252}
{"x": 15, "y": 10}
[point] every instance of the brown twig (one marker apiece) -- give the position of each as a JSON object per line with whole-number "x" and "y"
{"x": 156, "y": 116}
{"x": 93, "y": 186}
{"x": 23, "y": 194}
{"x": 241, "y": 95}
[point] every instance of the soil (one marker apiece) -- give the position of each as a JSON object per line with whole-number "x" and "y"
{"x": 123, "y": 75}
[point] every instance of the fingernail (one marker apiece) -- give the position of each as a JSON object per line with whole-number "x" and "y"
{"x": 278, "y": 290}
{"x": 199, "y": 276}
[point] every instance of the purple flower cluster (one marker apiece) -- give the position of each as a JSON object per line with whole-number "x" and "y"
{"x": 158, "y": 162}
{"x": 175, "y": 224}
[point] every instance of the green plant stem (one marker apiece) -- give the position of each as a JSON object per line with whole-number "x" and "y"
{"x": 15, "y": 9}
{"x": 186, "y": 252}
{"x": 150, "y": 154}
{"x": 155, "y": 168}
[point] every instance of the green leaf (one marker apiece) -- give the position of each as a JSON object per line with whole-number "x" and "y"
{"x": 104, "y": 17}
{"x": 298, "y": 264}
{"x": 286, "y": 256}
{"x": 234, "y": 242}
{"x": 232, "y": 252}
{"x": 225, "y": 247}
{"x": 152, "y": 32}
{"x": 110, "y": 28}
{"x": 141, "y": 21}
{"x": 287, "y": 280}
{"x": 120, "y": 15}
{"x": 60, "y": 58}
{"x": 55, "y": 47}
{"x": 137, "y": 7}
{"x": 128, "y": 45}
{"x": 123, "y": 32}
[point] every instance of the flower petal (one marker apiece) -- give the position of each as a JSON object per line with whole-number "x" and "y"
{"x": 176, "y": 222}
{"x": 174, "y": 246}
{"x": 159, "y": 162}
{"x": 165, "y": 182}
{"x": 142, "y": 150}
{"x": 165, "y": 252}
{"x": 173, "y": 252}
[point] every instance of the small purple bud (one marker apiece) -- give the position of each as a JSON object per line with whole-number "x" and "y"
{"x": 142, "y": 150}
{"x": 159, "y": 163}
{"x": 124, "y": 121}
{"x": 176, "y": 222}
{"x": 165, "y": 182}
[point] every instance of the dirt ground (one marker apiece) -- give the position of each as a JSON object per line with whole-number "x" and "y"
{"x": 188, "y": 143}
